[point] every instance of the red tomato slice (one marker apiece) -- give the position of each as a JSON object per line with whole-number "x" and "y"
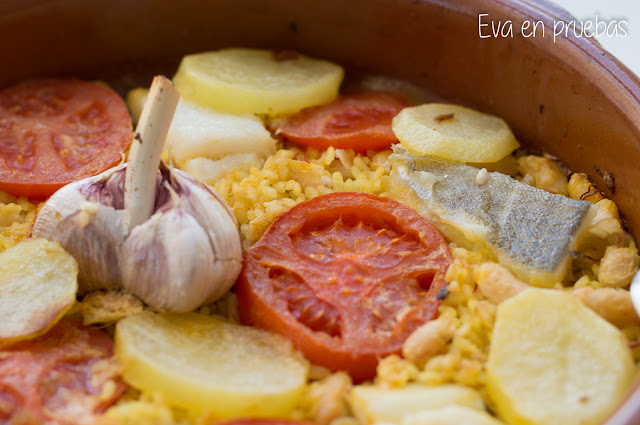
{"x": 347, "y": 277}
{"x": 358, "y": 121}
{"x": 54, "y": 132}
{"x": 66, "y": 376}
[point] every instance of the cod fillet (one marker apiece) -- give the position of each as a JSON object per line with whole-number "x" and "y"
{"x": 528, "y": 230}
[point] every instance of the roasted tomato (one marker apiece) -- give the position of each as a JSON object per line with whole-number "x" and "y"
{"x": 346, "y": 277}
{"x": 358, "y": 121}
{"x": 66, "y": 376}
{"x": 54, "y": 132}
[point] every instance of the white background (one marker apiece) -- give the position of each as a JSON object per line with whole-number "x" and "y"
{"x": 626, "y": 49}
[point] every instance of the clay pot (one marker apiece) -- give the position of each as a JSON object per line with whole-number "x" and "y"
{"x": 567, "y": 97}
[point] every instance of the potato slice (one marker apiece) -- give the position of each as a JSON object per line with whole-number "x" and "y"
{"x": 451, "y": 415}
{"x": 38, "y": 285}
{"x": 135, "y": 102}
{"x": 210, "y": 366}
{"x": 553, "y": 361}
{"x": 257, "y": 81}
{"x": 453, "y": 132}
{"x": 375, "y": 404}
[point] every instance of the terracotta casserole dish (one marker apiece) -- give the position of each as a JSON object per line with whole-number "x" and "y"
{"x": 569, "y": 98}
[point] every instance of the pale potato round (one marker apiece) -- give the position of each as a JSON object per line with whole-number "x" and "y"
{"x": 209, "y": 366}
{"x": 453, "y": 132}
{"x": 449, "y": 415}
{"x": 375, "y": 404}
{"x": 553, "y": 361}
{"x": 135, "y": 101}
{"x": 38, "y": 285}
{"x": 256, "y": 81}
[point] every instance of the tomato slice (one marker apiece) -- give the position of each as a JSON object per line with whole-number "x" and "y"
{"x": 346, "y": 277}
{"x": 358, "y": 121}
{"x": 54, "y": 132}
{"x": 66, "y": 376}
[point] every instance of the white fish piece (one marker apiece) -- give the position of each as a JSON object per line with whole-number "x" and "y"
{"x": 199, "y": 133}
{"x": 212, "y": 170}
{"x": 528, "y": 230}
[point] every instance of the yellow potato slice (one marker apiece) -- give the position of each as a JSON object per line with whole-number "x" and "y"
{"x": 451, "y": 415}
{"x": 257, "y": 81}
{"x": 553, "y": 361}
{"x": 38, "y": 285}
{"x": 209, "y": 366}
{"x": 453, "y": 132}
{"x": 372, "y": 405}
{"x": 135, "y": 102}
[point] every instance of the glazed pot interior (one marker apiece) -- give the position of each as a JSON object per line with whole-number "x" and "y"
{"x": 566, "y": 97}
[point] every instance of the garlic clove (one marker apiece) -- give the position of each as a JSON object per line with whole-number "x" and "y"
{"x": 101, "y": 188}
{"x": 108, "y": 190}
{"x": 94, "y": 235}
{"x": 64, "y": 202}
{"x": 82, "y": 218}
{"x": 221, "y": 226}
{"x": 167, "y": 261}
{"x": 181, "y": 177}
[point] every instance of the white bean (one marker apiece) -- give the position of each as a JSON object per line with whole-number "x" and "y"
{"x": 497, "y": 283}
{"x": 612, "y": 304}
{"x": 428, "y": 339}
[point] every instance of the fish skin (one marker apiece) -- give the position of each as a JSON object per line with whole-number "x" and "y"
{"x": 529, "y": 230}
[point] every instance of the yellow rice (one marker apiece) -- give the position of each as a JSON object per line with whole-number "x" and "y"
{"x": 16, "y": 219}
{"x": 293, "y": 175}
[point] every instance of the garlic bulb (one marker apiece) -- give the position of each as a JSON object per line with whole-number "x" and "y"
{"x": 187, "y": 254}
{"x": 155, "y": 231}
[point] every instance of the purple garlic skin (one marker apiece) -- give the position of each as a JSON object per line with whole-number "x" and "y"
{"x": 186, "y": 254}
